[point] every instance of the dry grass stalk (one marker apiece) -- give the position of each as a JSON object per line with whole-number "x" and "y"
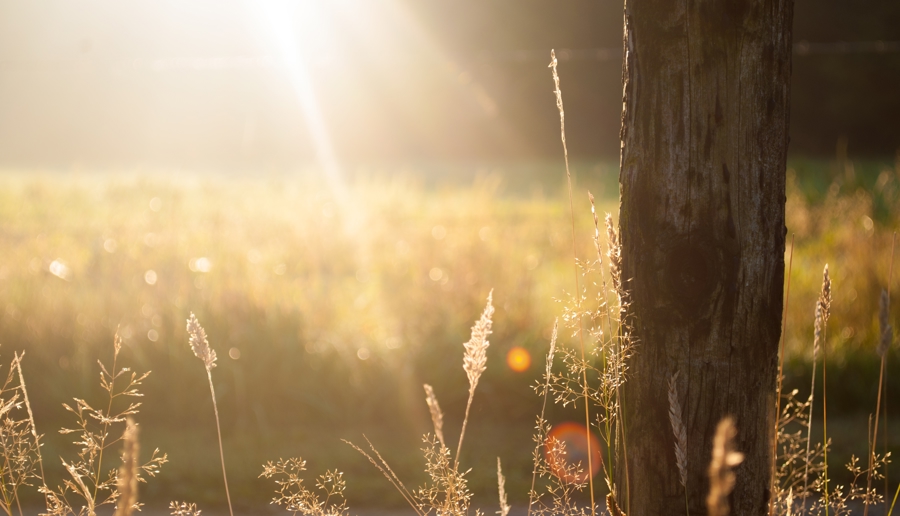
{"x": 797, "y": 461}
{"x": 612, "y": 506}
{"x": 475, "y": 360}
{"x": 615, "y": 258}
{"x": 501, "y": 490}
{"x": 614, "y": 255}
{"x": 447, "y": 491}
{"x": 884, "y": 343}
{"x": 97, "y": 430}
{"x": 565, "y": 478}
{"x": 297, "y": 499}
{"x": 199, "y": 343}
{"x": 183, "y": 509}
{"x": 437, "y": 417}
{"x": 562, "y": 130}
{"x": 886, "y": 369}
{"x": 20, "y": 451}
{"x": 886, "y": 330}
{"x": 34, "y": 434}
{"x": 128, "y": 472}
{"x": 823, "y": 312}
{"x": 780, "y": 380}
{"x": 200, "y": 346}
{"x": 721, "y": 478}
{"x": 388, "y": 473}
{"x": 541, "y": 437}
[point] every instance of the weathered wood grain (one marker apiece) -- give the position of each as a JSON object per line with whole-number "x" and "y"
{"x": 704, "y": 142}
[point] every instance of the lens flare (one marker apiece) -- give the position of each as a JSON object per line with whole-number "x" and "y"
{"x": 518, "y": 359}
{"x": 572, "y": 467}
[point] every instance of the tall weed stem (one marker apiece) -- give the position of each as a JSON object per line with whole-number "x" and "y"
{"x": 587, "y": 415}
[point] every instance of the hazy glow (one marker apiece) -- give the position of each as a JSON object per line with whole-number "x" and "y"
{"x": 277, "y": 18}
{"x": 518, "y": 359}
{"x": 573, "y": 436}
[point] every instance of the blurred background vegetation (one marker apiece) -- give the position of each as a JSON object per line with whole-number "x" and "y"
{"x": 334, "y": 189}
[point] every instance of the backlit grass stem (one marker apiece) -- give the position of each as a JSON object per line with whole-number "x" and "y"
{"x": 587, "y": 415}
{"x": 200, "y": 346}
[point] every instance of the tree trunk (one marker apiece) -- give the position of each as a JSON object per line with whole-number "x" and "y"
{"x": 704, "y": 143}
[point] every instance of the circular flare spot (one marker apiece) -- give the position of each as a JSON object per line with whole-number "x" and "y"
{"x": 566, "y": 452}
{"x": 518, "y": 359}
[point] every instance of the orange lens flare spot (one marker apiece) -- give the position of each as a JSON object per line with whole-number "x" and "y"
{"x": 518, "y": 359}
{"x": 566, "y": 452}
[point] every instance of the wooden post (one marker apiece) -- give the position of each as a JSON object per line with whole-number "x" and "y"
{"x": 704, "y": 145}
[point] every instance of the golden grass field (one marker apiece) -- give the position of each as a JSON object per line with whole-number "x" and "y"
{"x": 329, "y": 310}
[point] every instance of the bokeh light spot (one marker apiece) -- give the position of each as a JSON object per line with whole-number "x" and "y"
{"x": 234, "y": 353}
{"x": 572, "y": 466}
{"x": 518, "y": 359}
{"x": 150, "y": 277}
{"x": 153, "y": 335}
{"x": 435, "y": 274}
{"x": 201, "y": 264}
{"x": 59, "y": 269}
{"x": 363, "y": 353}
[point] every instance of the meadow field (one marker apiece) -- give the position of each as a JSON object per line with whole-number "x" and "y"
{"x": 330, "y": 307}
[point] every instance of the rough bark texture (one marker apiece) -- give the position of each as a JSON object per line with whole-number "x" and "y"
{"x": 704, "y": 141}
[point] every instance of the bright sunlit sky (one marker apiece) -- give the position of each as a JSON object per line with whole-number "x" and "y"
{"x": 226, "y": 81}
{"x": 233, "y": 83}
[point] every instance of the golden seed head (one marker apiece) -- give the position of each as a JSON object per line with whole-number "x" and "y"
{"x": 887, "y": 332}
{"x": 475, "y": 359}
{"x": 199, "y": 344}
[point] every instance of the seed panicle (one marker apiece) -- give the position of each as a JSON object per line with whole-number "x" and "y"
{"x": 501, "y": 489}
{"x": 887, "y": 332}
{"x": 437, "y": 416}
{"x": 199, "y": 343}
{"x": 475, "y": 359}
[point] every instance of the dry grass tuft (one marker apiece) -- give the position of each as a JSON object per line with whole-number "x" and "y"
{"x": 389, "y": 474}
{"x": 437, "y": 416}
{"x": 200, "y": 346}
{"x": 19, "y": 443}
{"x": 199, "y": 343}
{"x": 612, "y": 506}
{"x": 183, "y": 509}
{"x": 823, "y": 312}
{"x": 501, "y": 490}
{"x": 886, "y": 330}
{"x": 475, "y": 360}
{"x": 297, "y": 499}
{"x": 97, "y": 430}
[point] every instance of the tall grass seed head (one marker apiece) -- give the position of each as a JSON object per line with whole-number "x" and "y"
{"x": 199, "y": 344}
{"x": 475, "y": 359}
{"x": 823, "y": 310}
{"x": 887, "y": 332}
{"x": 437, "y": 416}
